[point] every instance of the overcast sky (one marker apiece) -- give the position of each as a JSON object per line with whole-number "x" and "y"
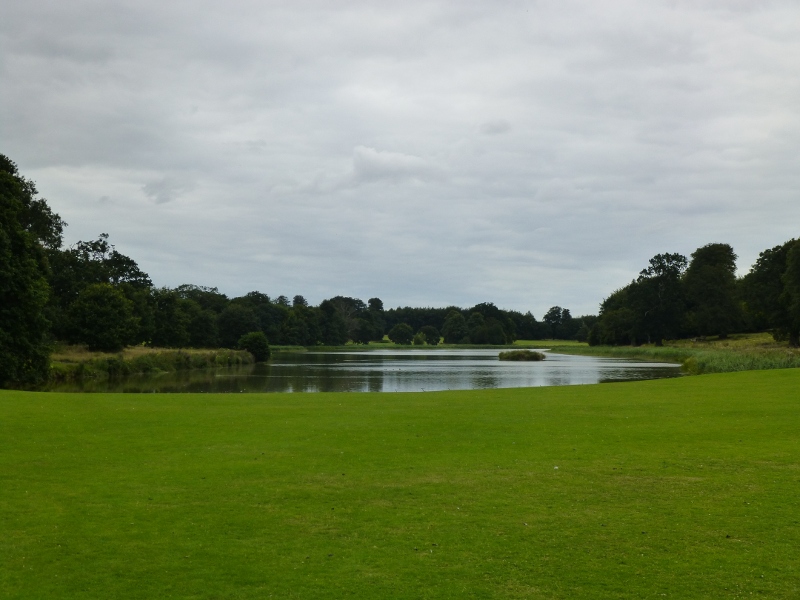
{"x": 529, "y": 154}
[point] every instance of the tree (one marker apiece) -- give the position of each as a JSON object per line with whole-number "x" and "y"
{"x": 102, "y": 318}
{"x": 791, "y": 293}
{"x": 27, "y": 229}
{"x": 234, "y": 322}
{"x": 172, "y": 320}
{"x": 87, "y": 263}
{"x": 710, "y": 284}
{"x": 332, "y": 325}
{"x": 430, "y": 335}
{"x": 455, "y": 329}
{"x": 560, "y": 322}
{"x": 256, "y": 344}
{"x": 658, "y": 297}
{"x": 401, "y": 334}
{"x": 617, "y": 323}
{"x": 765, "y": 294}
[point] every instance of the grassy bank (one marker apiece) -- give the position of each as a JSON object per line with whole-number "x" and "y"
{"x": 680, "y": 488}
{"x": 75, "y": 362}
{"x": 744, "y": 352}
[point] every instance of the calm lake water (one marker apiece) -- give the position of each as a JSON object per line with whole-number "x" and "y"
{"x": 387, "y": 371}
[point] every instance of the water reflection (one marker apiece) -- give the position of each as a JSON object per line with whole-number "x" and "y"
{"x": 386, "y": 371}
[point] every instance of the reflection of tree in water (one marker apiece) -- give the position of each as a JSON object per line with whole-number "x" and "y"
{"x": 377, "y": 372}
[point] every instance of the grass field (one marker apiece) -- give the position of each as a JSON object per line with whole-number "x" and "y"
{"x": 677, "y": 488}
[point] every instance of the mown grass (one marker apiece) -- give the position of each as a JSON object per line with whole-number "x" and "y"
{"x": 678, "y": 488}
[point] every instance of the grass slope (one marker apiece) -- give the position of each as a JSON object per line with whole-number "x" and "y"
{"x": 680, "y": 488}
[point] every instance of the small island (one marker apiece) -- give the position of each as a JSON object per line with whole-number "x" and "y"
{"x": 525, "y": 355}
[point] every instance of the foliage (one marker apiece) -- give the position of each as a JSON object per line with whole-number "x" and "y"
{"x": 76, "y": 363}
{"x": 430, "y": 335}
{"x": 744, "y": 352}
{"x": 256, "y": 344}
{"x": 235, "y": 321}
{"x": 27, "y": 228}
{"x": 710, "y": 284}
{"x": 455, "y": 329}
{"x": 791, "y": 294}
{"x": 522, "y": 355}
{"x": 401, "y": 334}
{"x": 658, "y": 297}
{"x": 102, "y": 318}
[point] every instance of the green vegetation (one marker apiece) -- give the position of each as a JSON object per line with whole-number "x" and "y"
{"x": 740, "y": 352}
{"x": 256, "y": 344}
{"x": 672, "y": 301}
{"x": 27, "y": 227}
{"x": 401, "y": 334}
{"x": 78, "y": 362}
{"x": 680, "y": 488}
{"x": 521, "y": 355}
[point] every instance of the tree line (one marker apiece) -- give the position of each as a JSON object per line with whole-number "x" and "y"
{"x": 675, "y": 298}
{"x": 90, "y": 293}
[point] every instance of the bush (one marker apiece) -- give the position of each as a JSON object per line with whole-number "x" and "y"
{"x": 525, "y": 355}
{"x": 256, "y": 344}
{"x": 431, "y": 335}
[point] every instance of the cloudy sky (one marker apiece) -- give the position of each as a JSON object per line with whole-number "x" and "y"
{"x": 526, "y": 153}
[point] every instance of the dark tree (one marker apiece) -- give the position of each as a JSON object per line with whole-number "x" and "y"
{"x": 332, "y": 326}
{"x": 208, "y": 298}
{"x": 710, "y": 284}
{"x": 349, "y": 311}
{"x": 431, "y": 335}
{"x": 234, "y": 322}
{"x": 617, "y": 323}
{"x": 102, "y": 318}
{"x": 455, "y": 329}
{"x": 791, "y": 293}
{"x": 27, "y": 228}
{"x": 401, "y": 334}
{"x": 256, "y": 344}
{"x": 658, "y": 297}
{"x": 88, "y": 263}
{"x": 172, "y": 320}
{"x": 764, "y": 292}
{"x": 299, "y": 301}
{"x": 560, "y": 323}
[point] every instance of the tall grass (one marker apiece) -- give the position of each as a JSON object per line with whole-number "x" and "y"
{"x": 742, "y": 353}
{"x": 73, "y": 363}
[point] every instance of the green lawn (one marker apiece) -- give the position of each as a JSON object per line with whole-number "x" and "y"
{"x": 678, "y": 488}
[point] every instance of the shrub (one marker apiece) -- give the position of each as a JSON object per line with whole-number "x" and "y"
{"x": 256, "y": 344}
{"x": 524, "y": 355}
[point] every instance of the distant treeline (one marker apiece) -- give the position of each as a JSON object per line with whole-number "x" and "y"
{"x": 676, "y": 298}
{"x": 101, "y": 298}
{"x": 89, "y": 293}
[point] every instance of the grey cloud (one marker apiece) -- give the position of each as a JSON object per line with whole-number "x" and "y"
{"x": 495, "y": 127}
{"x": 165, "y": 190}
{"x": 638, "y": 128}
{"x": 370, "y": 164}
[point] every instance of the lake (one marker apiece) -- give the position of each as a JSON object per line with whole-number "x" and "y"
{"x": 386, "y": 371}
